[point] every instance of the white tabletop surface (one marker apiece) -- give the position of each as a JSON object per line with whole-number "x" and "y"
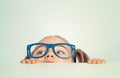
{"x": 79, "y": 70}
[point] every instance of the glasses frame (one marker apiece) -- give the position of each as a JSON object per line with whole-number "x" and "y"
{"x": 29, "y": 54}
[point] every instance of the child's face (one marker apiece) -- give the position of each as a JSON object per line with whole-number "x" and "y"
{"x": 50, "y": 57}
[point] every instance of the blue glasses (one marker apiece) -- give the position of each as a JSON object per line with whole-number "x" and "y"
{"x": 61, "y": 50}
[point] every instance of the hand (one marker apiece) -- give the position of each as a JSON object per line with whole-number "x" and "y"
{"x": 96, "y": 61}
{"x": 30, "y": 61}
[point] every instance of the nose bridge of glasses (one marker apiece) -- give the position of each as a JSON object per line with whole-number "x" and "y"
{"x": 50, "y": 49}
{"x": 50, "y": 46}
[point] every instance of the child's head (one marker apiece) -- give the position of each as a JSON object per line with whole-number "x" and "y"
{"x": 55, "y": 52}
{"x": 51, "y": 56}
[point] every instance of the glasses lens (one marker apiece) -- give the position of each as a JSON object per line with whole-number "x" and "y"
{"x": 38, "y": 50}
{"x": 63, "y": 51}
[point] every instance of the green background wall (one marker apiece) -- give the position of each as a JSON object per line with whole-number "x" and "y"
{"x": 92, "y": 25}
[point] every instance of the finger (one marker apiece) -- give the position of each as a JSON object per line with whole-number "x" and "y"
{"x": 27, "y": 61}
{"x": 33, "y": 61}
{"x": 98, "y": 61}
{"x": 94, "y": 61}
{"x": 22, "y": 61}
{"x": 103, "y": 62}
{"x": 37, "y": 61}
{"x": 89, "y": 61}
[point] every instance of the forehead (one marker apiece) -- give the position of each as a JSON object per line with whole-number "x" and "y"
{"x": 52, "y": 40}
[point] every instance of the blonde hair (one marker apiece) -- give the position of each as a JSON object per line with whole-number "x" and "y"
{"x": 57, "y": 36}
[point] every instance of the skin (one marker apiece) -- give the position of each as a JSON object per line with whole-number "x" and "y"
{"x": 96, "y": 61}
{"x": 50, "y": 57}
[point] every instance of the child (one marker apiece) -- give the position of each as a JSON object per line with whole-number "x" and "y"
{"x": 55, "y": 49}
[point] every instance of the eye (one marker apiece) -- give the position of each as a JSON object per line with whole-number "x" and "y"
{"x": 60, "y": 52}
{"x": 40, "y": 53}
